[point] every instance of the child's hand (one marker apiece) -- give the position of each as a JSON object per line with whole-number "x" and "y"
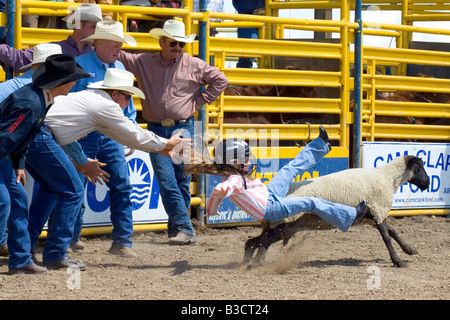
{"x": 210, "y": 214}
{"x": 220, "y": 192}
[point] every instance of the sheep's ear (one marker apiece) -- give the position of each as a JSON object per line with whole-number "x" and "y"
{"x": 420, "y": 177}
{"x": 412, "y": 161}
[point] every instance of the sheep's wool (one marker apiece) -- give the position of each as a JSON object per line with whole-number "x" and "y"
{"x": 352, "y": 186}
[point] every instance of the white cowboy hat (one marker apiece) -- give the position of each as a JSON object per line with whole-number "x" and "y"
{"x": 172, "y": 29}
{"x": 118, "y": 79}
{"x": 111, "y": 30}
{"x": 83, "y": 12}
{"x": 42, "y": 51}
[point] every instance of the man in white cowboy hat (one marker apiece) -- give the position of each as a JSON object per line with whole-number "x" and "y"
{"x": 21, "y": 115}
{"x": 40, "y": 53}
{"x": 172, "y": 82}
{"x": 79, "y": 113}
{"x": 70, "y": 119}
{"x": 108, "y": 39}
{"x": 84, "y": 18}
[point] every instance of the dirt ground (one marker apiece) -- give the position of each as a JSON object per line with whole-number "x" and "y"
{"x": 315, "y": 265}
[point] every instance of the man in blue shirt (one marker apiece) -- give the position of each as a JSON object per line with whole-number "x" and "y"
{"x": 59, "y": 188}
{"x": 108, "y": 39}
{"x": 6, "y": 88}
{"x": 21, "y": 118}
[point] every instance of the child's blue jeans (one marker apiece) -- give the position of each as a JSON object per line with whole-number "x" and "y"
{"x": 279, "y": 207}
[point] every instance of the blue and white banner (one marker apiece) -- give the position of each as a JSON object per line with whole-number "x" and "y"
{"x": 145, "y": 197}
{"x": 436, "y": 158}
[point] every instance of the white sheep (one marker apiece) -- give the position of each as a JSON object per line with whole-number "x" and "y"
{"x": 350, "y": 187}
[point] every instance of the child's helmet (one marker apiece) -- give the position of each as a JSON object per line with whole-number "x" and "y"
{"x": 232, "y": 151}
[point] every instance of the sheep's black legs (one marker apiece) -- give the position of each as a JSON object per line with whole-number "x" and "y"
{"x": 250, "y": 246}
{"x": 385, "y": 234}
{"x": 262, "y": 243}
{"x": 286, "y": 230}
{"x": 405, "y": 247}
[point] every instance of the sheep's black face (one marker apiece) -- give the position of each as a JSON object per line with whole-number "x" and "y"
{"x": 420, "y": 177}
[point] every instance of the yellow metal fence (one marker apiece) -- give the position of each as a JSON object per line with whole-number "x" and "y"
{"x": 271, "y": 44}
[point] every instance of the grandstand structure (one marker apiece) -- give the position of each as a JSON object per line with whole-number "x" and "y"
{"x": 349, "y": 76}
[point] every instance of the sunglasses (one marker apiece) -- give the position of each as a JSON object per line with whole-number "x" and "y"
{"x": 173, "y": 44}
{"x": 127, "y": 96}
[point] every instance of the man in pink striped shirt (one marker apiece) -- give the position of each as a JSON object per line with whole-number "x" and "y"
{"x": 269, "y": 202}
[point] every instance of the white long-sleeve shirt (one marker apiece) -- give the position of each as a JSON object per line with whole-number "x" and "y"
{"x": 252, "y": 200}
{"x": 75, "y": 115}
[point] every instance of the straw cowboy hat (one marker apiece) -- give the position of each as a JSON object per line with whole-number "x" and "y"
{"x": 111, "y": 30}
{"x": 172, "y": 29}
{"x": 85, "y": 12}
{"x": 42, "y": 51}
{"x": 57, "y": 70}
{"x": 117, "y": 79}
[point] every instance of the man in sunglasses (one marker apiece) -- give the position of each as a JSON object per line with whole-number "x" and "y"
{"x": 172, "y": 81}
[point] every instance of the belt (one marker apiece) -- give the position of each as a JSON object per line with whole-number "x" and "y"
{"x": 168, "y": 123}
{"x": 47, "y": 128}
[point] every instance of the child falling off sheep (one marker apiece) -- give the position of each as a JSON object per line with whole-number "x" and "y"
{"x": 268, "y": 202}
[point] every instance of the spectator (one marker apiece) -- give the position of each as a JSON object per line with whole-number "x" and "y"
{"x": 81, "y": 113}
{"x": 172, "y": 82}
{"x": 41, "y": 52}
{"x": 248, "y": 7}
{"x": 86, "y": 14}
{"x": 108, "y": 39}
{"x": 2, "y": 28}
{"x": 21, "y": 115}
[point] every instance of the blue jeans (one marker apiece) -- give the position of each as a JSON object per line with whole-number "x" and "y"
{"x": 18, "y": 238}
{"x": 106, "y": 150}
{"x": 58, "y": 198}
{"x": 279, "y": 207}
{"x": 174, "y": 185}
{"x": 5, "y": 208}
{"x": 247, "y": 7}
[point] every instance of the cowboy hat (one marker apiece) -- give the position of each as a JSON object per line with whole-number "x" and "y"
{"x": 111, "y": 30}
{"x": 57, "y": 70}
{"x": 172, "y": 29}
{"x": 118, "y": 79}
{"x": 85, "y": 12}
{"x": 42, "y": 51}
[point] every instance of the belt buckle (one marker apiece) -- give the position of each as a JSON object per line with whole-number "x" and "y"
{"x": 167, "y": 123}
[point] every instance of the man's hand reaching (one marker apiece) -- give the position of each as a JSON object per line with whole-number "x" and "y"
{"x": 94, "y": 172}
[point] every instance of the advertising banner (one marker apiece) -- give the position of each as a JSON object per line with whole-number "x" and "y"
{"x": 436, "y": 158}
{"x": 145, "y": 197}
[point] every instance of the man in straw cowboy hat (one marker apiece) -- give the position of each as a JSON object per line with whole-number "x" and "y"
{"x": 83, "y": 20}
{"x": 79, "y": 113}
{"x": 172, "y": 82}
{"x": 21, "y": 116}
{"x": 71, "y": 118}
{"x": 108, "y": 39}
